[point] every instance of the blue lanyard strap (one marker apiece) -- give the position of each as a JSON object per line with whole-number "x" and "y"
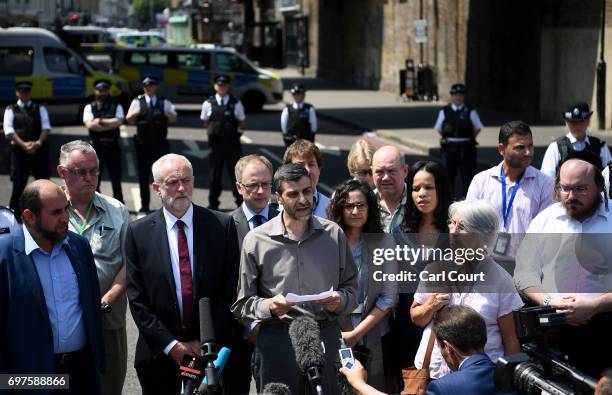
{"x": 506, "y": 210}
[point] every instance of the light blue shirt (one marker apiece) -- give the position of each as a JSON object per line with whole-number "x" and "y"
{"x": 250, "y": 214}
{"x": 61, "y": 290}
{"x": 320, "y": 204}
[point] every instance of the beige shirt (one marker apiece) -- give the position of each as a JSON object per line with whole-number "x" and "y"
{"x": 272, "y": 262}
{"x": 105, "y": 231}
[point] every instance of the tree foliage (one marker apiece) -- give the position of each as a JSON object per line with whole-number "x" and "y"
{"x": 142, "y": 10}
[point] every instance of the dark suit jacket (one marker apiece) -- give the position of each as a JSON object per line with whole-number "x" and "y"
{"x": 26, "y": 337}
{"x": 150, "y": 282}
{"x": 474, "y": 377}
{"x": 242, "y": 225}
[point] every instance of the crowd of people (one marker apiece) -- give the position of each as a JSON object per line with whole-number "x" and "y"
{"x": 69, "y": 273}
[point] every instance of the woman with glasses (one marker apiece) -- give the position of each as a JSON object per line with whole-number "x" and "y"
{"x": 468, "y": 276}
{"x": 355, "y": 209}
{"x": 359, "y": 161}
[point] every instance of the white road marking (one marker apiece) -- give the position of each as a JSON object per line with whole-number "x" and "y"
{"x": 194, "y": 150}
{"x": 135, "y": 191}
{"x": 246, "y": 140}
{"x": 332, "y": 150}
{"x": 271, "y": 155}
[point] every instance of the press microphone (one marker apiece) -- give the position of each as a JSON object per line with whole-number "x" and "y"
{"x": 219, "y": 363}
{"x": 209, "y": 344}
{"x": 306, "y": 341}
{"x": 276, "y": 389}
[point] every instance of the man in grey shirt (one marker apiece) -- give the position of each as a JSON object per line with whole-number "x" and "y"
{"x": 103, "y": 221}
{"x": 299, "y": 253}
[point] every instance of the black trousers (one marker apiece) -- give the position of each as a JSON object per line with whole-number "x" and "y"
{"x": 237, "y": 372}
{"x": 79, "y": 366}
{"x": 159, "y": 376}
{"x": 290, "y": 138}
{"x": 22, "y": 165}
{"x": 460, "y": 157}
{"x": 146, "y": 154}
{"x": 109, "y": 155}
{"x": 224, "y": 152}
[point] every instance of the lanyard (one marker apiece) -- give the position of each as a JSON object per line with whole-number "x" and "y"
{"x": 506, "y": 210}
{"x": 81, "y": 229}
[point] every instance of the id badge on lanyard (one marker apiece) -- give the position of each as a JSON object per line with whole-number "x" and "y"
{"x": 503, "y": 238}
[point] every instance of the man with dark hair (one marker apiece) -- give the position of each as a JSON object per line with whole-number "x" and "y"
{"x": 307, "y": 154}
{"x": 458, "y": 126}
{"x": 563, "y": 262}
{"x": 576, "y": 117}
{"x": 300, "y": 253}
{"x": 27, "y": 125}
{"x": 43, "y": 330}
{"x": 223, "y": 117}
{"x": 102, "y": 118}
{"x": 517, "y": 190}
{"x": 298, "y": 119}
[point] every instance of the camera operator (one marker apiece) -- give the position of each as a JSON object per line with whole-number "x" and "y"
{"x": 570, "y": 271}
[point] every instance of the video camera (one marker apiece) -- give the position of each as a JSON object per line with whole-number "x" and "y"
{"x": 540, "y": 369}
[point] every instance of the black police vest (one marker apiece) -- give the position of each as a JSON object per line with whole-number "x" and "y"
{"x": 298, "y": 122}
{"x": 457, "y": 123}
{"x": 107, "y": 110}
{"x": 222, "y": 121}
{"x": 151, "y": 124}
{"x": 565, "y": 147}
{"x": 26, "y": 122}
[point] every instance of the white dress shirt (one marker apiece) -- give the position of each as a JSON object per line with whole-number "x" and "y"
{"x": 552, "y": 155}
{"x": 172, "y": 231}
{"x": 476, "y": 122}
{"x": 88, "y": 114}
{"x": 606, "y": 175}
{"x": 9, "y": 117}
{"x": 312, "y": 117}
{"x": 222, "y": 101}
{"x": 135, "y": 105}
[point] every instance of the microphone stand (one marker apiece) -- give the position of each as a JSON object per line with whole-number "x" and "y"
{"x": 212, "y": 384}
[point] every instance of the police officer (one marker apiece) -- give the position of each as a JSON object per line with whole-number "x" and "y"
{"x": 576, "y": 117}
{"x": 298, "y": 119}
{"x": 8, "y": 223}
{"x": 458, "y": 126}
{"x": 27, "y": 125}
{"x": 151, "y": 115}
{"x": 102, "y": 118}
{"x": 223, "y": 116}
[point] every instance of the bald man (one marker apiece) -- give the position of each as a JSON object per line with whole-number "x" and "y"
{"x": 389, "y": 171}
{"x": 43, "y": 331}
{"x": 563, "y": 261}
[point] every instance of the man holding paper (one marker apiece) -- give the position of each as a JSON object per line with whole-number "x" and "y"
{"x": 298, "y": 253}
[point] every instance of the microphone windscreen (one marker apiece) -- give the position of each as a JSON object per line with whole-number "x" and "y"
{"x": 306, "y": 341}
{"x": 276, "y": 389}
{"x": 207, "y": 331}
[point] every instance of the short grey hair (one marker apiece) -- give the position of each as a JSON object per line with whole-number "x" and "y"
{"x": 76, "y": 145}
{"x": 245, "y": 160}
{"x": 479, "y": 217}
{"x": 158, "y": 164}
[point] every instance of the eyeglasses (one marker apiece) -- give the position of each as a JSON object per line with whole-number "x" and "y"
{"x": 362, "y": 173}
{"x": 351, "y": 206}
{"x": 457, "y": 225}
{"x": 255, "y": 186}
{"x": 578, "y": 190}
{"x": 82, "y": 173}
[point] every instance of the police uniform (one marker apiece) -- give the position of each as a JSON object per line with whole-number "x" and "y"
{"x": 28, "y": 121}
{"x": 8, "y": 223}
{"x": 224, "y": 115}
{"x": 457, "y": 125}
{"x": 106, "y": 143}
{"x": 298, "y": 120}
{"x": 150, "y": 141}
{"x": 558, "y": 150}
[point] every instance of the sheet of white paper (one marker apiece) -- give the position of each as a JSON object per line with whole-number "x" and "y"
{"x": 293, "y": 298}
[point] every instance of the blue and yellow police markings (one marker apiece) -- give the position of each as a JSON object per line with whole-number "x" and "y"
{"x": 68, "y": 87}
{"x": 41, "y": 87}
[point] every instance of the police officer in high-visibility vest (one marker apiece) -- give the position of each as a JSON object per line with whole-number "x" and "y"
{"x": 151, "y": 113}
{"x": 102, "y": 118}
{"x": 223, "y": 116}
{"x": 458, "y": 126}
{"x": 298, "y": 119}
{"x": 576, "y": 117}
{"x": 27, "y": 125}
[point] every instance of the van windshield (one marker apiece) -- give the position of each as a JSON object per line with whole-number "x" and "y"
{"x": 16, "y": 61}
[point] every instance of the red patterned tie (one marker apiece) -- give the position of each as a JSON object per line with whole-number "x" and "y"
{"x": 185, "y": 270}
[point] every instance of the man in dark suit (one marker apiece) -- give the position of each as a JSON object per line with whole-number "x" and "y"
{"x": 43, "y": 331}
{"x": 176, "y": 256}
{"x": 254, "y": 182}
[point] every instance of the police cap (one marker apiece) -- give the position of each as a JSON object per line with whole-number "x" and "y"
{"x": 577, "y": 112}
{"x": 23, "y": 86}
{"x": 102, "y": 84}
{"x": 457, "y": 88}
{"x": 222, "y": 79}
{"x": 297, "y": 88}
{"x": 150, "y": 80}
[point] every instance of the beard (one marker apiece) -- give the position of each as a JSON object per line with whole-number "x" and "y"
{"x": 578, "y": 210}
{"x": 51, "y": 235}
{"x": 292, "y": 212}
